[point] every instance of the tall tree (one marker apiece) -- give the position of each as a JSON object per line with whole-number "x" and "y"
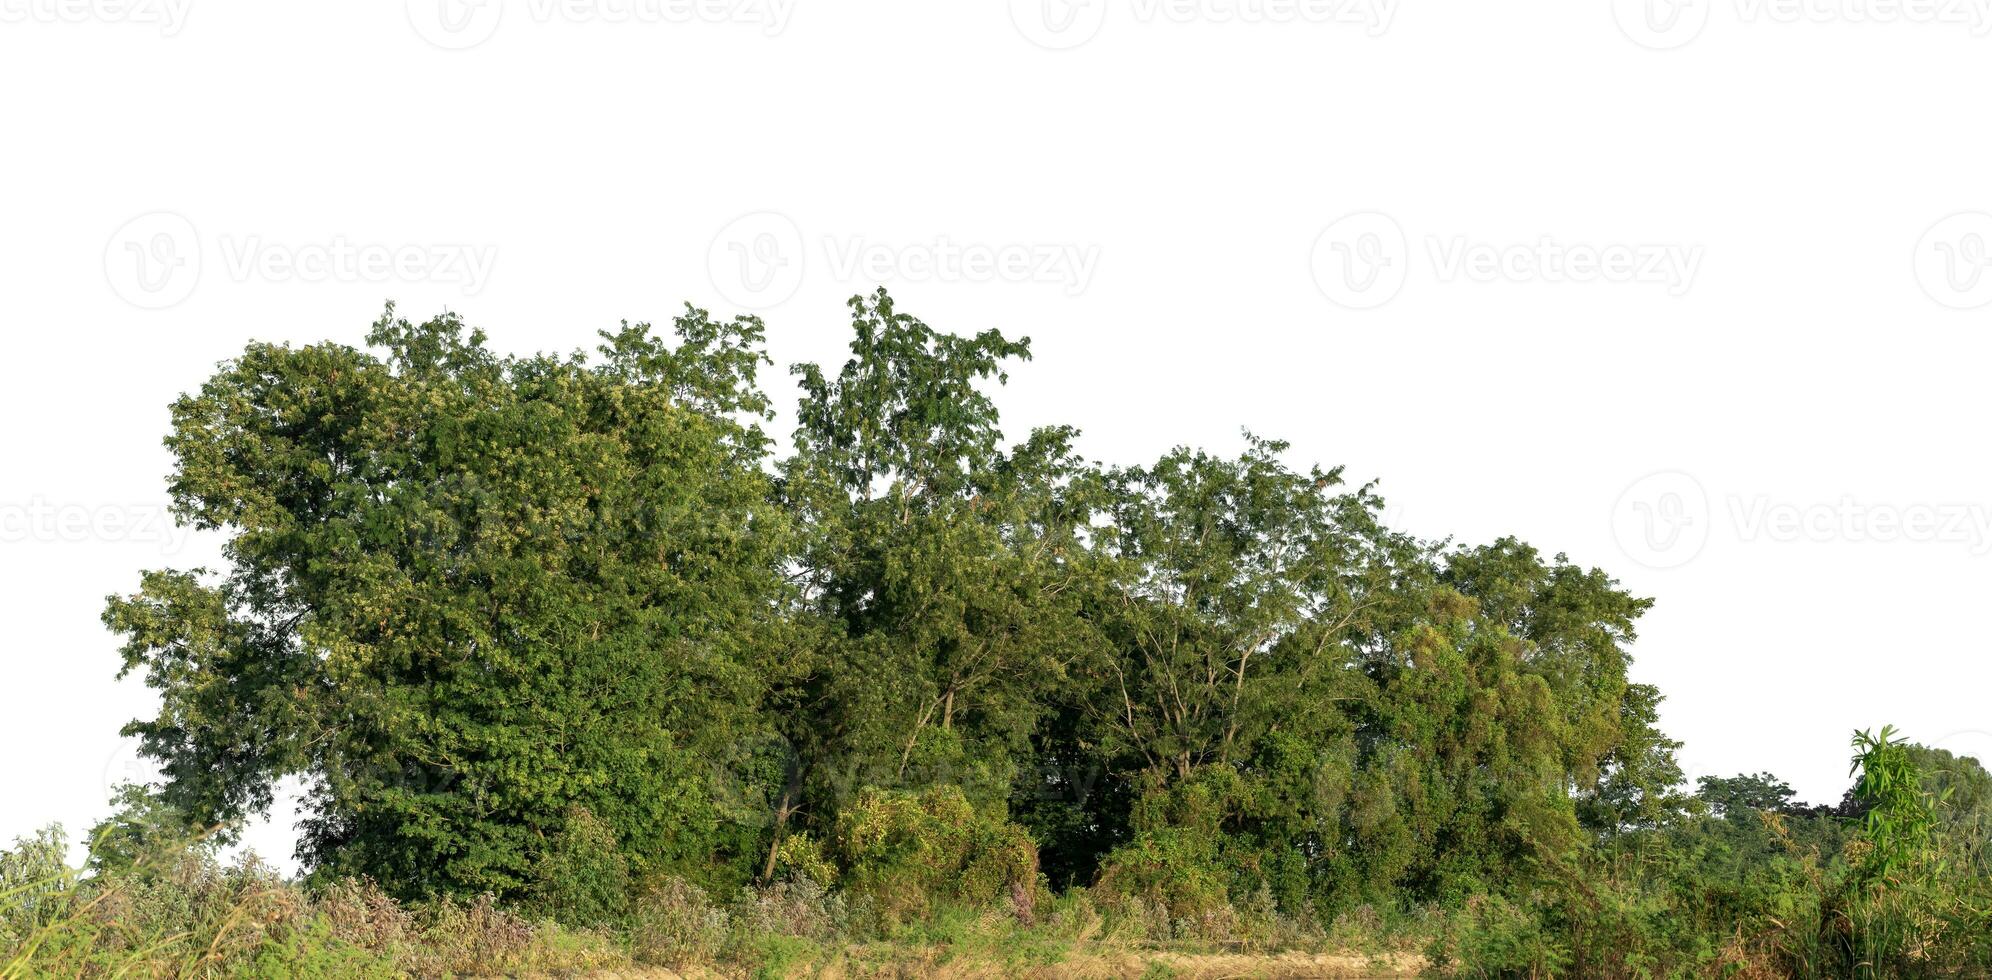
{"x": 468, "y": 597}
{"x": 937, "y": 565}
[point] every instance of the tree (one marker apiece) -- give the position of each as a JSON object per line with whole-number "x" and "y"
{"x": 1242, "y": 581}
{"x": 1742, "y": 795}
{"x": 937, "y": 569}
{"x": 1639, "y": 783}
{"x": 468, "y": 596}
{"x": 551, "y": 626}
{"x": 1373, "y": 717}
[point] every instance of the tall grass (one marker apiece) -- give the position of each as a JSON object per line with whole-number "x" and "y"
{"x": 1893, "y": 889}
{"x": 179, "y": 912}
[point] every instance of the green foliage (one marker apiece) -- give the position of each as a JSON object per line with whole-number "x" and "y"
{"x": 34, "y": 886}
{"x": 1962, "y": 793}
{"x": 1755, "y": 885}
{"x": 468, "y": 593}
{"x": 942, "y": 574}
{"x": 582, "y": 877}
{"x": 1912, "y": 903}
{"x": 1494, "y": 937}
{"x": 178, "y": 912}
{"x": 801, "y": 857}
{"x": 1395, "y": 722}
{"x": 1901, "y": 820}
{"x": 911, "y": 853}
{"x": 564, "y": 633}
{"x": 1178, "y": 870}
{"x": 141, "y": 824}
{"x": 1744, "y": 795}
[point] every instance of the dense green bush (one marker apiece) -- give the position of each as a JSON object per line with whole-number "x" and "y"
{"x": 1174, "y": 871}
{"x": 582, "y": 878}
{"x": 907, "y": 854}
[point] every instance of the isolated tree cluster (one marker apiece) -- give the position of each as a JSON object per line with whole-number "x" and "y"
{"x": 552, "y": 626}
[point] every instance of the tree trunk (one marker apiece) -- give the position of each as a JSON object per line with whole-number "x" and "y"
{"x": 783, "y": 810}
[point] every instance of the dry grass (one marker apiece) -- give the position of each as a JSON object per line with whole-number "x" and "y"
{"x": 874, "y": 961}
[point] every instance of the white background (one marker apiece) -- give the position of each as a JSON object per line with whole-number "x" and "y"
{"x": 175, "y": 171}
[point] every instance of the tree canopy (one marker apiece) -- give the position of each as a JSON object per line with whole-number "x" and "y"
{"x": 570, "y": 631}
{"x": 504, "y": 614}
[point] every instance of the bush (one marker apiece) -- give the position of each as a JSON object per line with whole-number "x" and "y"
{"x": 907, "y": 853}
{"x": 676, "y": 925}
{"x": 800, "y": 908}
{"x": 1173, "y": 877}
{"x": 34, "y": 885}
{"x": 582, "y": 879}
{"x": 1169, "y": 882}
{"x": 1493, "y": 937}
{"x": 801, "y": 856}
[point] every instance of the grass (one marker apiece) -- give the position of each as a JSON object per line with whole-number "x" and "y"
{"x": 183, "y": 913}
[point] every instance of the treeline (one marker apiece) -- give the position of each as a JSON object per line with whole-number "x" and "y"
{"x": 569, "y": 630}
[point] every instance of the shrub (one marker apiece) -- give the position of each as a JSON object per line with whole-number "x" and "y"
{"x": 800, "y": 908}
{"x": 1169, "y": 881}
{"x": 1173, "y": 876}
{"x": 1496, "y": 938}
{"x": 676, "y": 925}
{"x": 801, "y": 856}
{"x": 582, "y": 879}
{"x": 34, "y": 884}
{"x": 906, "y": 853}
